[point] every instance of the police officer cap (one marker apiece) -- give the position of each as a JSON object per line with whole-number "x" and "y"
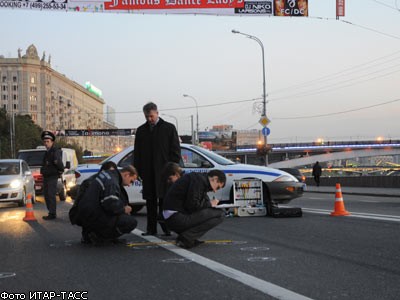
{"x": 48, "y": 135}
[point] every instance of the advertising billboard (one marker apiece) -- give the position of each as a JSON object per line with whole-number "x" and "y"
{"x": 218, "y": 140}
{"x": 206, "y": 7}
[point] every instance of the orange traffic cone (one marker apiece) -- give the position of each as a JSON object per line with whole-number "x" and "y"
{"x": 339, "y": 204}
{"x": 29, "y": 216}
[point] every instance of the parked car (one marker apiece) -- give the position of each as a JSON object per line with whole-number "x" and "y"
{"x": 34, "y": 158}
{"x": 16, "y": 181}
{"x": 278, "y": 187}
{"x": 296, "y": 173}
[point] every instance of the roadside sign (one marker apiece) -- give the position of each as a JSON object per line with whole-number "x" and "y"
{"x": 264, "y": 121}
{"x": 265, "y": 131}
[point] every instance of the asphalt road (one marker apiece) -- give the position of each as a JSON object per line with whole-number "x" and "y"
{"x": 316, "y": 256}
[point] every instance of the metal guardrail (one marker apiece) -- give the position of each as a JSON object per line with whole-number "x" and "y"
{"x": 332, "y": 146}
{"x": 359, "y": 181}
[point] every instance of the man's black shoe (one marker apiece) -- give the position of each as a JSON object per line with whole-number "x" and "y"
{"x": 184, "y": 243}
{"x": 148, "y": 233}
{"x": 95, "y": 239}
{"x": 49, "y": 217}
{"x": 197, "y": 242}
{"x": 119, "y": 241}
{"x": 86, "y": 240}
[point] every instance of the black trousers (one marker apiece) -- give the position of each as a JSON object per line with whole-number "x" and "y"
{"x": 193, "y": 226}
{"x": 151, "y": 207}
{"x": 121, "y": 225}
{"x": 160, "y": 216}
{"x": 316, "y": 179}
{"x": 125, "y": 224}
{"x": 49, "y": 192}
{"x": 154, "y": 215}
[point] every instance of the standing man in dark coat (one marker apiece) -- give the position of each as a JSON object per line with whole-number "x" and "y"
{"x": 51, "y": 170}
{"x": 156, "y": 143}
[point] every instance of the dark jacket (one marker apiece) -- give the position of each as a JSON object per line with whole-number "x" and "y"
{"x": 188, "y": 194}
{"x": 317, "y": 170}
{"x": 52, "y": 163}
{"x": 153, "y": 149}
{"x": 104, "y": 200}
{"x": 79, "y": 194}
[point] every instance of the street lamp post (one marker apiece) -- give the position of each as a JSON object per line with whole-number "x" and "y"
{"x": 197, "y": 117}
{"x": 264, "y": 109}
{"x": 176, "y": 120}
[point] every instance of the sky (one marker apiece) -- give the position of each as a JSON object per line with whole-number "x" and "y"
{"x": 325, "y": 78}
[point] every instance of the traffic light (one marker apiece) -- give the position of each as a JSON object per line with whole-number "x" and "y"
{"x": 259, "y": 148}
{"x": 262, "y": 149}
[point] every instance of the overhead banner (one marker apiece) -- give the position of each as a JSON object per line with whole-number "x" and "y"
{"x": 96, "y": 132}
{"x": 339, "y": 8}
{"x": 207, "y": 7}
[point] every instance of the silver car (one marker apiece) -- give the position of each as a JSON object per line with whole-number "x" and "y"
{"x": 16, "y": 181}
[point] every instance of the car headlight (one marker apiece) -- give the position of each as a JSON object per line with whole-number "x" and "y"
{"x": 284, "y": 178}
{"x": 15, "y": 184}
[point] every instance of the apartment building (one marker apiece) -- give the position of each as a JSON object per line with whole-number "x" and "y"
{"x": 29, "y": 85}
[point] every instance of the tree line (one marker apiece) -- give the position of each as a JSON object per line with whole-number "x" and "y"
{"x": 27, "y": 135}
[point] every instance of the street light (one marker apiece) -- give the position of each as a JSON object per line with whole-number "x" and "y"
{"x": 197, "y": 117}
{"x": 173, "y": 117}
{"x": 252, "y": 37}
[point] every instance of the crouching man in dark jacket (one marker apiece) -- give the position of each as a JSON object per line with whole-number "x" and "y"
{"x": 189, "y": 211}
{"x": 104, "y": 210}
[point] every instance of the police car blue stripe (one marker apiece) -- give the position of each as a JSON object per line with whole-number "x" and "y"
{"x": 250, "y": 172}
{"x": 206, "y": 170}
{"x": 88, "y": 170}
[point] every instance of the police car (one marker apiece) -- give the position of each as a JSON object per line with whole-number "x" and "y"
{"x": 279, "y": 187}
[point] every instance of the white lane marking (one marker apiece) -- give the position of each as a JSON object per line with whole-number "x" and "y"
{"x": 355, "y": 215}
{"x": 369, "y": 201}
{"x": 246, "y": 279}
{"x": 6, "y": 275}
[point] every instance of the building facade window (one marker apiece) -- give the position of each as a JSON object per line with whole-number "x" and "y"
{"x": 14, "y": 78}
{"x": 4, "y": 79}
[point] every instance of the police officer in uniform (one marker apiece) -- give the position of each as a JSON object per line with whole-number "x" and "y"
{"x": 51, "y": 170}
{"x": 103, "y": 210}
